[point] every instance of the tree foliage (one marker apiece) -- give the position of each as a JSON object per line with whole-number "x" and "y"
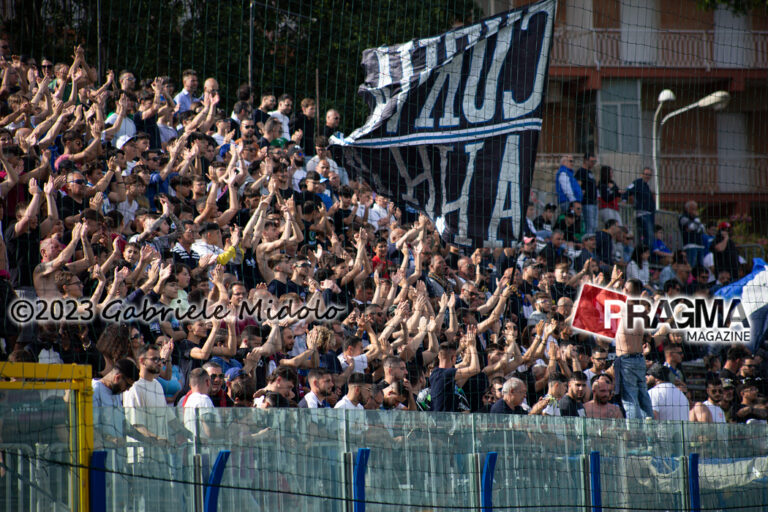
{"x": 292, "y": 39}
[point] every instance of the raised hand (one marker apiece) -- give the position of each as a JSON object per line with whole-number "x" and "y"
{"x": 96, "y": 201}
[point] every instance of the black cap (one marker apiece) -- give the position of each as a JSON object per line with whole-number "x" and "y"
{"x": 550, "y": 206}
{"x": 659, "y": 371}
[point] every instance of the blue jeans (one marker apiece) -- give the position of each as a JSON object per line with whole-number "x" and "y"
{"x": 632, "y": 388}
{"x": 644, "y": 225}
{"x": 590, "y": 218}
{"x": 695, "y": 256}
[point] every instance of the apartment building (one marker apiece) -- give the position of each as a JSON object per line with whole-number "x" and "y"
{"x": 610, "y": 61}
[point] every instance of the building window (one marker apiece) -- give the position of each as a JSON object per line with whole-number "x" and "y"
{"x": 619, "y": 119}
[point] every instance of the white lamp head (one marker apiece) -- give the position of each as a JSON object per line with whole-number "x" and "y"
{"x": 716, "y": 101}
{"x": 666, "y": 95}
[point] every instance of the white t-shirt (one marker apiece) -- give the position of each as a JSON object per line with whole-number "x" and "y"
{"x": 346, "y": 403}
{"x": 718, "y": 416}
{"x": 145, "y": 405}
{"x": 669, "y": 402}
{"x": 361, "y": 363}
{"x": 284, "y": 120}
{"x": 195, "y": 401}
{"x": 128, "y": 210}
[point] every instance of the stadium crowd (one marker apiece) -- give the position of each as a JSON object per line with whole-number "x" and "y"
{"x": 146, "y": 191}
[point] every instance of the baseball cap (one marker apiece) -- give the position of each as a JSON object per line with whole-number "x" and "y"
{"x": 234, "y": 373}
{"x": 724, "y": 225}
{"x": 123, "y": 140}
{"x": 587, "y": 236}
{"x": 529, "y": 239}
{"x": 659, "y": 371}
{"x": 294, "y": 150}
{"x": 550, "y": 206}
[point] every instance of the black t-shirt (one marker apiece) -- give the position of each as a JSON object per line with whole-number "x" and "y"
{"x": 306, "y": 125}
{"x": 563, "y": 290}
{"x": 727, "y": 259}
{"x": 330, "y": 361}
{"x": 310, "y": 236}
{"x": 570, "y": 407}
{"x": 338, "y": 220}
{"x": 442, "y": 384}
{"x": 181, "y": 356}
{"x": 259, "y": 116}
{"x": 69, "y": 207}
{"x": 250, "y": 269}
{"x": 336, "y": 152}
{"x": 501, "y": 407}
{"x": 23, "y": 253}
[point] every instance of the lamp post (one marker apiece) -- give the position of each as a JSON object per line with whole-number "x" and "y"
{"x": 716, "y": 101}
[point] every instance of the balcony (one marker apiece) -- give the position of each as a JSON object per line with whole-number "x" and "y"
{"x": 692, "y": 49}
{"x": 681, "y": 174}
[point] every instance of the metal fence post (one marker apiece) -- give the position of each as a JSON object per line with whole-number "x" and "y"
{"x": 358, "y": 482}
{"x": 486, "y": 496}
{"x": 693, "y": 482}
{"x": 198, "y": 476}
{"x": 594, "y": 478}
{"x": 98, "y": 482}
{"x": 214, "y": 480}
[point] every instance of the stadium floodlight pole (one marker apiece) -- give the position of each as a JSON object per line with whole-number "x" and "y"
{"x": 716, "y": 101}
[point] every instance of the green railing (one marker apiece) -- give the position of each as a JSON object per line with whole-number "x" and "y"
{"x": 288, "y": 459}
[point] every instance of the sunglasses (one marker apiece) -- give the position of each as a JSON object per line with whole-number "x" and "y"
{"x": 78, "y": 182}
{"x": 217, "y": 376}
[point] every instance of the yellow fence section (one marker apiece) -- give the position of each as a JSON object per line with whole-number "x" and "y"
{"x": 77, "y": 380}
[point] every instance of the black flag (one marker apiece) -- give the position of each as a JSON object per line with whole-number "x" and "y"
{"x": 455, "y": 120}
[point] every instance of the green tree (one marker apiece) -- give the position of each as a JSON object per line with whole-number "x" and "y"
{"x": 292, "y": 39}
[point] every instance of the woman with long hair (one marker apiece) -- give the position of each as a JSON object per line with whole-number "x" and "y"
{"x": 639, "y": 266}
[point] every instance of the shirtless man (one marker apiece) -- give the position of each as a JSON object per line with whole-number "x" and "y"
{"x": 54, "y": 258}
{"x": 708, "y": 411}
{"x": 600, "y": 406}
{"x": 629, "y": 368}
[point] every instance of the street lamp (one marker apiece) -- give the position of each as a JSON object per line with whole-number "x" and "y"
{"x": 716, "y": 101}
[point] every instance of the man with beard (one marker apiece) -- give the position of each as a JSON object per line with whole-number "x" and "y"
{"x": 570, "y": 404}
{"x": 146, "y": 396}
{"x": 600, "y": 406}
{"x": 107, "y": 399}
{"x": 321, "y": 386}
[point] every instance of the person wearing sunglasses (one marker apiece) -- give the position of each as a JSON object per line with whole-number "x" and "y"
{"x": 72, "y": 206}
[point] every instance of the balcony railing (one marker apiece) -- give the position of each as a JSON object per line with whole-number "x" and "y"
{"x": 640, "y": 47}
{"x": 702, "y": 174}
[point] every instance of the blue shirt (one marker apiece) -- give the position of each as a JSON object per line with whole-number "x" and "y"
{"x": 107, "y": 409}
{"x": 184, "y": 100}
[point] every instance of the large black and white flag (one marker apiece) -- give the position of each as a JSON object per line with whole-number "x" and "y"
{"x": 455, "y": 121}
